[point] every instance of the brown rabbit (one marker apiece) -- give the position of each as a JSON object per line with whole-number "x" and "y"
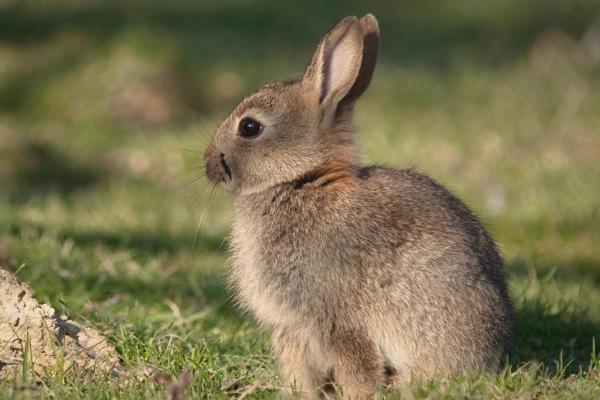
{"x": 366, "y": 275}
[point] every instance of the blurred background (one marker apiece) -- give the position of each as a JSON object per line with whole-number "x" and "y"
{"x": 106, "y": 106}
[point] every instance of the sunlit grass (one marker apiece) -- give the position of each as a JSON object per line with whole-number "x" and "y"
{"x": 103, "y": 121}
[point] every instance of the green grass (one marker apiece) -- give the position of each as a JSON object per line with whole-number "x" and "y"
{"x": 100, "y": 102}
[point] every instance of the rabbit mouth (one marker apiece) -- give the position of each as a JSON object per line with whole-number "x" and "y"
{"x": 224, "y": 165}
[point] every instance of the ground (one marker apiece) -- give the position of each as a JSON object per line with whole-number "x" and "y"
{"x": 35, "y": 341}
{"x": 106, "y": 106}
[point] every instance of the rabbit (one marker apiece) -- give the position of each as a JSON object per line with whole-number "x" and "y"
{"x": 366, "y": 275}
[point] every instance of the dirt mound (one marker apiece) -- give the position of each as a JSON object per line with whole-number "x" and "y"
{"x": 49, "y": 340}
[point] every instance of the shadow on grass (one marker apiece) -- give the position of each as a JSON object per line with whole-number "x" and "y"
{"x": 39, "y": 167}
{"x": 546, "y": 335}
{"x": 550, "y": 329}
{"x": 147, "y": 242}
{"x": 154, "y": 243}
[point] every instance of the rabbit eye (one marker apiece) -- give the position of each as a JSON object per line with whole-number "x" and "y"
{"x": 249, "y": 128}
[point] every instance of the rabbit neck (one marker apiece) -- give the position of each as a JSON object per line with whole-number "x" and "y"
{"x": 326, "y": 175}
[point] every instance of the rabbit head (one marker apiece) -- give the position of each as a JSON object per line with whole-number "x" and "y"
{"x": 288, "y": 130}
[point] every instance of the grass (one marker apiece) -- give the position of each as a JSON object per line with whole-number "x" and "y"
{"x": 105, "y": 107}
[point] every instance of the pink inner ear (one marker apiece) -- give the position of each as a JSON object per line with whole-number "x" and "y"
{"x": 340, "y": 66}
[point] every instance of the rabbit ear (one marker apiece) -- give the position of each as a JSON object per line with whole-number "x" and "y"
{"x": 370, "y": 30}
{"x": 334, "y": 68}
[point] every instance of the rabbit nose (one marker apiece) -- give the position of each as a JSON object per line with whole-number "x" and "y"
{"x": 214, "y": 169}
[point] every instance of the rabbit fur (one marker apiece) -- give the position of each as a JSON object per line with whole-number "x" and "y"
{"x": 366, "y": 275}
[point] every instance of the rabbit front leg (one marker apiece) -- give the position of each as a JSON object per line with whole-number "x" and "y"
{"x": 298, "y": 372}
{"x": 358, "y": 365}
